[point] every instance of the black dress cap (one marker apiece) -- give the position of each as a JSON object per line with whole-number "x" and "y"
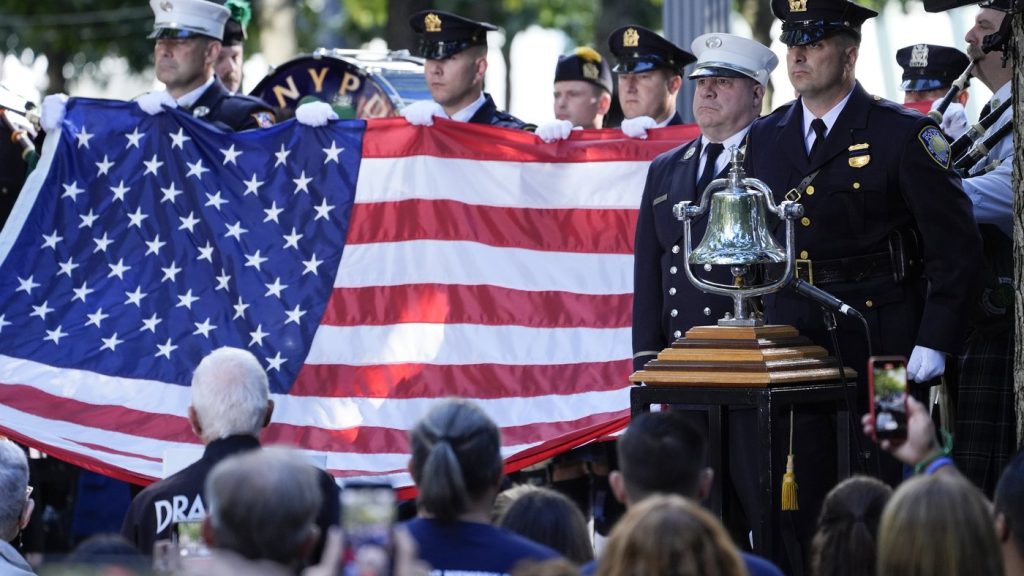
{"x": 638, "y": 50}
{"x": 443, "y": 35}
{"x": 806, "y": 21}
{"x": 587, "y": 65}
{"x": 930, "y": 67}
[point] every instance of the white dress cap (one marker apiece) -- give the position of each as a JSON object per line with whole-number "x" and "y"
{"x": 188, "y": 18}
{"x": 720, "y": 54}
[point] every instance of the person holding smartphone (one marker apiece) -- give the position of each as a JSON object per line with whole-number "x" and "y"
{"x": 921, "y": 449}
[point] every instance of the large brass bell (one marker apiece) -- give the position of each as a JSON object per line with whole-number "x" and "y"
{"x": 737, "y": 236}
{"x": 737, "y": 231}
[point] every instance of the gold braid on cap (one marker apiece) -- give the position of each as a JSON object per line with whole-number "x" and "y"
{"x": 588, "y": 54}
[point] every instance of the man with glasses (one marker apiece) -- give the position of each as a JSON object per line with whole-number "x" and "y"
{"x": 188, "y": 37}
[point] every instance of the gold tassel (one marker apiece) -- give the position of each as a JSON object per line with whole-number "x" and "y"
{"x": 789, "y": 478}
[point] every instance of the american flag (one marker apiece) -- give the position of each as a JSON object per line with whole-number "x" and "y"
{"x": 372, "y": 268}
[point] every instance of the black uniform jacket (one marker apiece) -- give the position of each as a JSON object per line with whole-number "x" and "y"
{"x": 665, "y": 303}
{"x": 883, "y": 170}
{"x": 489, "y": 114}
{"x": 180, "y": 496}
{"x": 231, "y": 112}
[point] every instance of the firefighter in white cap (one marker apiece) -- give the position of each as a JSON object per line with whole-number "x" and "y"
{"x": 730, "y": 75}
{"x": 188, "y": 36}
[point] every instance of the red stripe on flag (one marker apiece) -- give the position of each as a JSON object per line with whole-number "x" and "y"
{"x": 108, "y": 450}
{"x": 481, "y": 381}
{"x": 78, "y": 459}
{"x": 378, "y": 440}
{"x": 358, "y": 439}
{"x": 593, "y": 231}
{"x": 100, "y": 416}
{"x": 395, "y": 138}
{"x": 484, "y": 305}
{"x": 556, "y": 446}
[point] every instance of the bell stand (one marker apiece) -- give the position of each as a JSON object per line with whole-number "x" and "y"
{"x": 741, "y": 350}
{"x": 743, "y": 363}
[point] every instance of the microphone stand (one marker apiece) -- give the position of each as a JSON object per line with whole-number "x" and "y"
{"x": 829, "y": 318}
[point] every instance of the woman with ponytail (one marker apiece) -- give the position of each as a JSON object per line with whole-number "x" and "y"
{"x": 456, "y": 465}
{"x": 845, "y": 543}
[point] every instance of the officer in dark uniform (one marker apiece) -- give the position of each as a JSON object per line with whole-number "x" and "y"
{"x": 18, "y": 152}
{"x": 585, "y": 73}
{"x": 887, "y": 227}
{"x": 929, "y": 71}
{"x": 455, "y": 49}
{"x": 583, "y": 94}
{"x": 232, "y": 51}
{"x": 731, "y": 75}
{"x": 650, "y": 72}
{"x": 188, "y": 37}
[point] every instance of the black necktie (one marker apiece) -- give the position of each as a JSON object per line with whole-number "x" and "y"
{"x": 714, "y": 149}
{"x": 818, "y": 125}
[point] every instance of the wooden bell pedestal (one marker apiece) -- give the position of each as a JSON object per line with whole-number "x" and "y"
{"x": 716, "y": 369}
{"x": 748, "y": 356}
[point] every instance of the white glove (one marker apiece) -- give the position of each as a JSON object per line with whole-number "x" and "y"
{"x": 925, "y": 364}
{"x": 954, "y": 120}
{"x": 315, "y": 114}
{"x": 638, "y": 127}
{"x": 554, "y": 130}
{"x": 54, "y": 107}
{"x": 154, "y": 102}
{"x": 422, "y": 112}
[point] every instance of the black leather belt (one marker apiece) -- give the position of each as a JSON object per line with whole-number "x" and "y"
{"x": 853, "y": 269}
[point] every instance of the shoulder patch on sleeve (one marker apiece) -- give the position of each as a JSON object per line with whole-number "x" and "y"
{"x": 935, "y": 144}
{"x": 264, "y": 119}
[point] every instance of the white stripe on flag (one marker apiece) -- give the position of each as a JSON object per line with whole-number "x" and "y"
{"x": 470, "y": 263}
{"x": 512, "y": 184}
{"x": 459, "y": 344}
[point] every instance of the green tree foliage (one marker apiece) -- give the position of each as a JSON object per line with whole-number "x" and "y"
{"x": 584, "y": 21}
{"x": 75, "y": 34}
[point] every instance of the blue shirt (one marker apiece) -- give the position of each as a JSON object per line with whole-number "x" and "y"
{"x": 471, "y": 548}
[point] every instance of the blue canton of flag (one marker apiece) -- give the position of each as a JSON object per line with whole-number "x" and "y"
{"x": 156, "y": 239}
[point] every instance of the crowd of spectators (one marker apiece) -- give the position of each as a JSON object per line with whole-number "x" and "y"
{"x": 263, "y": 507}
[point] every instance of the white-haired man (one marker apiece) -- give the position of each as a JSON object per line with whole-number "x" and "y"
{"x": 15, "y": 506}
{"x": 230, "y": 405}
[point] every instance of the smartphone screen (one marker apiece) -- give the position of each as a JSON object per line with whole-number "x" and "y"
{"x": 367, "y": 519}
{"x": 888, "y": 383}
{"x": 189, "y": 538}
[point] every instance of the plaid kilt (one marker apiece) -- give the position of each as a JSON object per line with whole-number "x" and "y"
{"x": 985, "y": 436}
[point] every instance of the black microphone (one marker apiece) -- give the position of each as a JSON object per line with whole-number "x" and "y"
{"x": 824, "y": 298}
